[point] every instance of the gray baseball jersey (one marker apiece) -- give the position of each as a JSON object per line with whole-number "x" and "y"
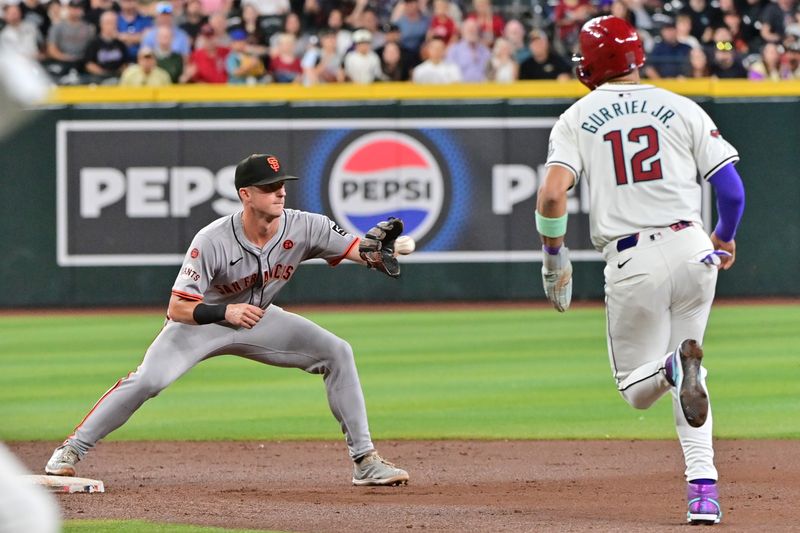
{"x": 223, "y": 267}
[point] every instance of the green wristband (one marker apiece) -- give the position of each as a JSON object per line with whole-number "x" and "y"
{"x": 551, "y": 227}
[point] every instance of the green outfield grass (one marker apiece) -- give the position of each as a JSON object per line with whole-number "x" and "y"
{"x": 484, "y": 374}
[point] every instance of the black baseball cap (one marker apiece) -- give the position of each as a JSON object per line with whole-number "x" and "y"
{"x": 260, "y": 169}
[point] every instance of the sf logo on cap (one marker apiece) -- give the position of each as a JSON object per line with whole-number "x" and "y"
{"x": 273, "y": 163}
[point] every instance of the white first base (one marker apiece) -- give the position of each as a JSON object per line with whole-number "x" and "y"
{"x": 66, "y": 484}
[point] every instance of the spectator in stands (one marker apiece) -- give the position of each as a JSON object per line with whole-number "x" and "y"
{"x": 131, "y": 25}
{"x": 514, "y": 33}
{"x": 620, "y": 9}
{"x": 569, "y": 16}
{"x": 502, "y": 66}
{"x": 697, "y": 65}
{"x": 166, "y": 57}
{"x": 178, "y": 12}
{"x": 216, "y": 6}
{"x": 354, "y": 19}
{"x": 644, "y": 15}
{"x": 683, "y": 26}
{"x": 67, "y": 43}
{"x": 436, "y": 70}
{"x": 106, "y": 56}
{"x": 792, "y": 61}
{"x": 219, "y": 23}
{"x": 313, "y": 15}
{"x": 792, "y": 33}
{"x": 726, "y": 63}
{"x": 413, "y": 24}
{"x": 751, "y": 10}
{"x": 442, "y": 26}
{"x": 732, "y": 24}
{"x": 344, "y": 37}
{"x": 284, "y": 65}
{"x": 668, "y": 56}
{"x": 490, "y": 24}
{"x": 207, "y": 62}
{"x": 242, "y": 67}
{"x": 323, "y": 64}
{"x": 774, "y": 19}
{"x": 392, "y": 64}
{"x": 768, "y": 66}
{"x": 96, "y": 10}
{"x": 269, "y": 8}
{"x": 391, "y": 34}
{"x": 369, "y": 21}
{"x": 193, "y": 19}
{"x": 145, "y": 72}
{"x": 362, "y": 65}
{"x": 256, "y": 40}
{"x": 469, "y": 53}
{"x": 544, "y": 63}
{"x": 180, "y": 40}
{"x": 705, "y": 18}
{"x": 291, "y": 27}
{"x": 19, "y": 34}
{"x": 36, "y": 13}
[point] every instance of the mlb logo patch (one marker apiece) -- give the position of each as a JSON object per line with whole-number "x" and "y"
{"x": 715, "y": 133}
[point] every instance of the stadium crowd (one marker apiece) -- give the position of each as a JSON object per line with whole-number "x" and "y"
{"x": 146, "y": 43}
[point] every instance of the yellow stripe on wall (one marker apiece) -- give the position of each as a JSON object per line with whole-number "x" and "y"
{"x": 401, "y": 91}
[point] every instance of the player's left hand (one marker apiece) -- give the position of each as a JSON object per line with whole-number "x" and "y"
{"x": 726, "y": 261}
{"x": 557, "y": 279}
{"x": 377, "y": 248}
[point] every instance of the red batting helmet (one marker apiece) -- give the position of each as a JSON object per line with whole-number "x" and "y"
{"x": 610, "y": 47}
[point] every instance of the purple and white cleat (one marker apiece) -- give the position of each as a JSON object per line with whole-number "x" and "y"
{"x": 704, "y": 505}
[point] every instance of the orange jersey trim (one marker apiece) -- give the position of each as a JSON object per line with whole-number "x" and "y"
{"x": 187, "y": 296}
{"x": 334, "y": 262}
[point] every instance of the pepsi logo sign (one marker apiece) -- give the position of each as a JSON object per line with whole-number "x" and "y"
{"x": 383, "y": 174}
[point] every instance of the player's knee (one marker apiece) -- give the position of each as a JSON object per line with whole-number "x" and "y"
{"x": 637, "y": 401}
{"x": 150, "y": 384}
{"x": 341, "y": 353}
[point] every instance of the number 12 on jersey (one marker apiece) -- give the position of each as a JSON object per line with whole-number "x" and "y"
{"x": 647, "y": 135}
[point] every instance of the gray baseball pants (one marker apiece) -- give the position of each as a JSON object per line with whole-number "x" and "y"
{"x": 279, "y": 339}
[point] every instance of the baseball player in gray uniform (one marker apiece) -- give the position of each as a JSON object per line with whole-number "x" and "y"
{"x": 641, "y": 150}
{"x": 221, "y": 303}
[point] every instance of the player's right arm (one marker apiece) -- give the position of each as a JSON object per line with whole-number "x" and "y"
{"x": 187, "y": 312}
{"x": 563, "y": 164}
{"x": 201, "y": 264}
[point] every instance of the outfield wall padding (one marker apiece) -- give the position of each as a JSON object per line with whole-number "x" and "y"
{"x": 100, "y": 201}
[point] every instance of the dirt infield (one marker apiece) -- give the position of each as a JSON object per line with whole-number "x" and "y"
{"x": 490, "y": 486}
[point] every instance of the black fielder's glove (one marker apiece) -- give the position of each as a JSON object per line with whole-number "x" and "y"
{"x": 377, "y": 247}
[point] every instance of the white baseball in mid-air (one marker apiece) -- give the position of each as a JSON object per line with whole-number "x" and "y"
{"x": 404, "y": 245}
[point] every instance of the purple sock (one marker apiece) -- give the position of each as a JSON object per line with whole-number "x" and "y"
{"x": 668, "y": 370}
{"x": 551, "y": 250}
{"x": 703, "y": 481}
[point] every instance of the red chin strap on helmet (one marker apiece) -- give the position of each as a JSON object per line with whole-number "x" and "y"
{"x": 610, "y": 47}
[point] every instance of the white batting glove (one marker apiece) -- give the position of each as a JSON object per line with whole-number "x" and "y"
{"x": 557, "y": 279}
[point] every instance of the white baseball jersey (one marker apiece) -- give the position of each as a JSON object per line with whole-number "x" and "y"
{"x": 641, "y": 149}
{"x": 223, "y": 267}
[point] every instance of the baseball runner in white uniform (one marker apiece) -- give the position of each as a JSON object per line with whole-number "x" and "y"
{"x": 221, "y": 303}
{"x": 641, "y": 150}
